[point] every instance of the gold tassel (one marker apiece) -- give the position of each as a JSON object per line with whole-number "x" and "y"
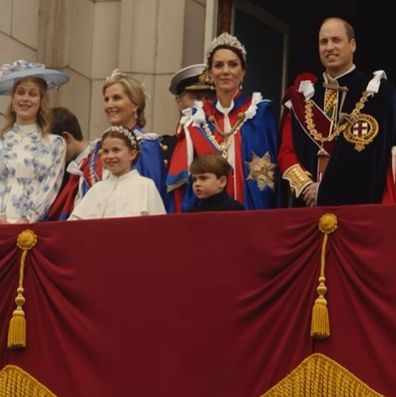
{"x": 320, "y": 323}
{"x": 320, "y": 326}
{"x": 17, "y": 329}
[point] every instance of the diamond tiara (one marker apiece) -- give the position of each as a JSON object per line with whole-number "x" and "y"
{"x": 124, "y": 131}
{"x": 226, "y": 39}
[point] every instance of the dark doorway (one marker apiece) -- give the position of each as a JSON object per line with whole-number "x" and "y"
{"x": 373, "y": 27}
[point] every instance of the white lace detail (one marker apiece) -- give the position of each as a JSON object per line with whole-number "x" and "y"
{"x": 252, "y": 109}
{"x": 374, "y": 83}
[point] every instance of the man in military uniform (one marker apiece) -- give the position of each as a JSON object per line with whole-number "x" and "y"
{"x": 336, "y": 150}
{"x": 188, "y": 85}
{"x": 191, "y": 84}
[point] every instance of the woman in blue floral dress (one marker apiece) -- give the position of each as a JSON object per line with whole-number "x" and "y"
{"x": 31, "y": 160}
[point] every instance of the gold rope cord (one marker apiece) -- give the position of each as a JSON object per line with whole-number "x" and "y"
{"x": 15, "y": 382}
{"x": 320, "y": 324}
{"x": 320, "y": 376}
{"x": 26, "y": 240}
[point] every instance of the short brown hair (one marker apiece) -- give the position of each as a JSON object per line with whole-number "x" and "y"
{"x": 350, "y": 31}
{"x": 63, "y": 120}
{"x": 212, "y": 163}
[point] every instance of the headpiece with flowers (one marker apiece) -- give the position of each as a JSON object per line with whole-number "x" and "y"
{"x": 10, "y": 73}
{"x": 226, "y": 39}
{"x": 116, "y": 74}
{"x": 124, "y": 131}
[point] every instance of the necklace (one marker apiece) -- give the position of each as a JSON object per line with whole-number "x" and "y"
{"x": 345, "y": 120}
{"x": 238, "y": 123}
{"x": 225, "y": 145}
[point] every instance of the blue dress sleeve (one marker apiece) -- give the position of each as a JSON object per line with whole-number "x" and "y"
{"x": 151, "y": 164}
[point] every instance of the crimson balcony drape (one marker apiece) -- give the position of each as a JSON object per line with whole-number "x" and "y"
{"x": 215, "y": 304}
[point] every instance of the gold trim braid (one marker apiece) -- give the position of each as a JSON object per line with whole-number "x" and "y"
{"x": 15, "y": 382}
{"x": 297, "y": 178}
{"x": 319, "y": 375}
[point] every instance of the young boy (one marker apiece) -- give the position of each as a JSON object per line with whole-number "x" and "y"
{"x": 209, "y": 174}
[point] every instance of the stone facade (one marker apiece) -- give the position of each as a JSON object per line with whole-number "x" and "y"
{"x": 87, "y": 39}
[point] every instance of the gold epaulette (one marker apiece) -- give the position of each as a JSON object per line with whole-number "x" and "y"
{"x": 297, "y": 178}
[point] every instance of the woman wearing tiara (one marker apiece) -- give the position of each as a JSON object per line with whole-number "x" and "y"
{"x": 125, "y": 102}
{"x": 125, "y": 192}
{"x": 31, "y": 160}
{"x": 242, "y": 130}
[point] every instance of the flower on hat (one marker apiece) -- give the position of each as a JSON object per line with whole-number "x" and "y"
{"x": 20, "y": 69}
{"x": 18, "y": 66}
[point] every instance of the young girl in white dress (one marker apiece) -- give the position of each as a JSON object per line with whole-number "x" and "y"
{"x": 125, "y": 192}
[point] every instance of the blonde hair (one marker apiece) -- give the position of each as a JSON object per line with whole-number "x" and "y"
{"x": 134, "y": 91}
{"x": 43, "y": 117}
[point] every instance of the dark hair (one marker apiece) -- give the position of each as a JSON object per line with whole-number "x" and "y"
{"x": 227, "y": 47}
{"x": 201, "y": 95}
{"x": 63, "y": 120}
{"x": 212, "y": 163}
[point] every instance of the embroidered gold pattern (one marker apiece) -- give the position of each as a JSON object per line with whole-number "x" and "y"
{"x": 330, "y": 102}
{"x": 297, "y": 178}
{"x": 362, "y": 132}
{"x": 345, "y": 120}
{"x": 262, "y": 170}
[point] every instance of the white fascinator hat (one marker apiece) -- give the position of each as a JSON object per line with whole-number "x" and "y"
{"x": 11, "y": 73}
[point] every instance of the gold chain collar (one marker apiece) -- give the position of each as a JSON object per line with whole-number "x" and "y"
{"x": 224, "y": 146}
{"x": 345, "y": 120}
{"x": 241, "y": 117}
